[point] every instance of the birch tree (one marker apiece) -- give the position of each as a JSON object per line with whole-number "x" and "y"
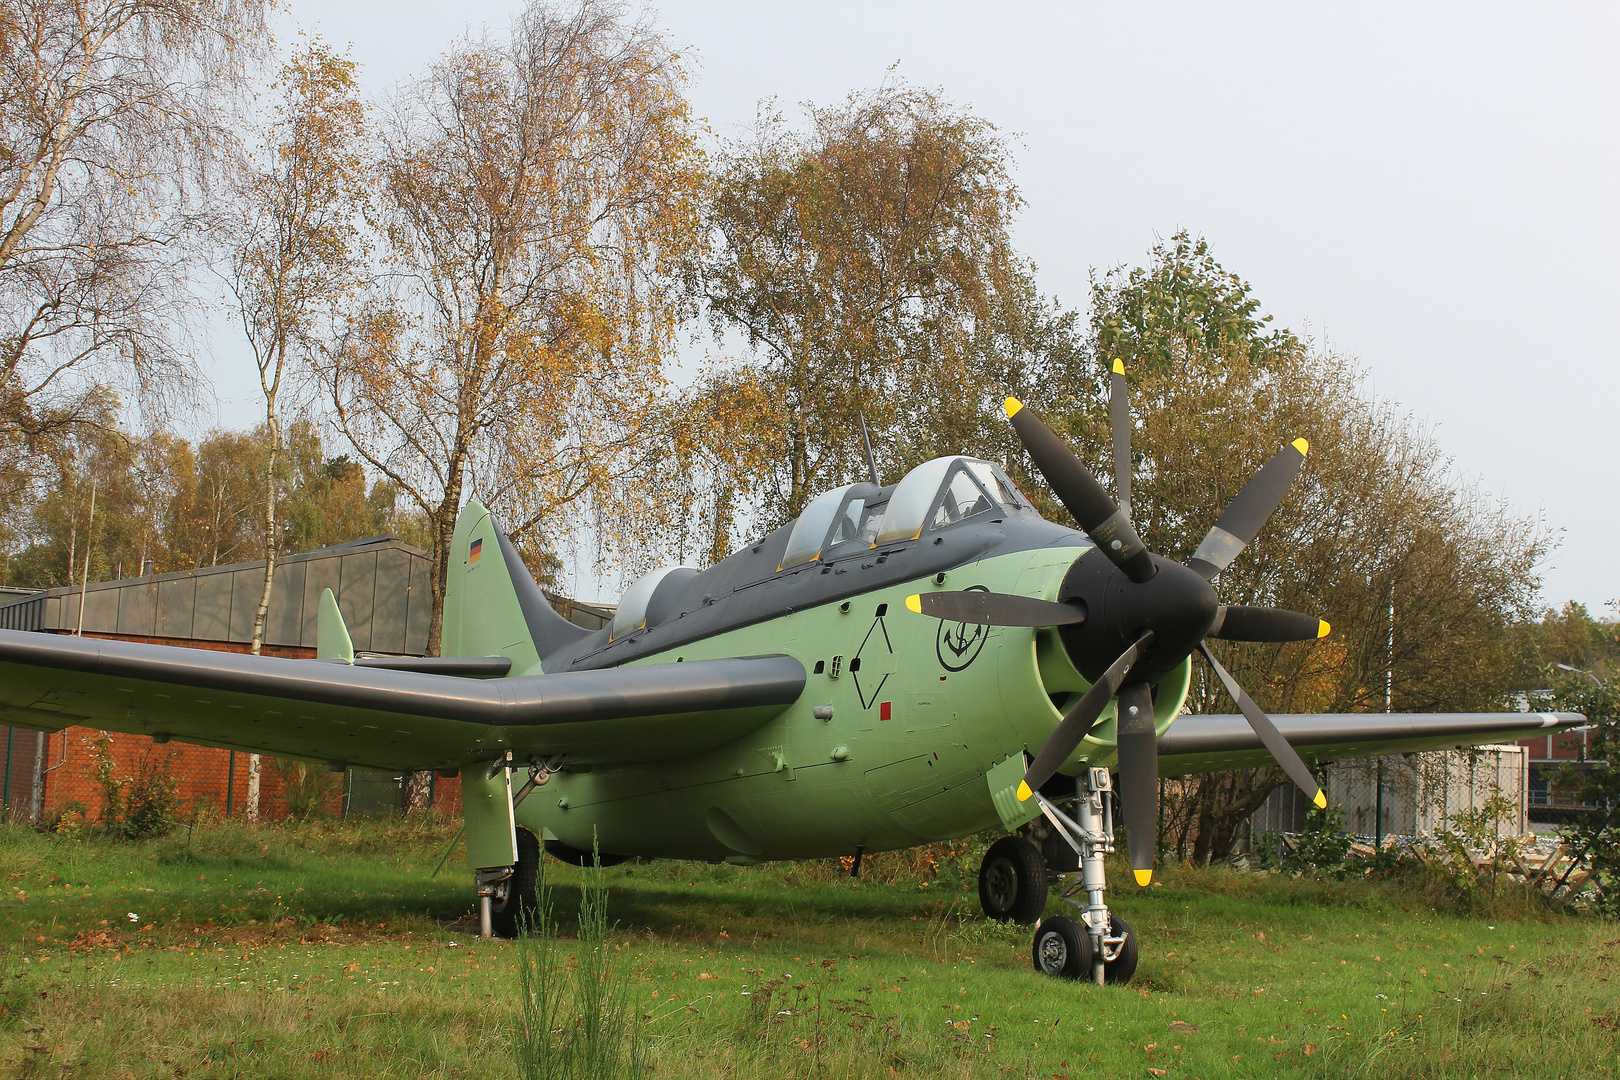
{"x": 867, "y": 263}
{"x": 537, "y": 194}
{"x": 113, "y": 116}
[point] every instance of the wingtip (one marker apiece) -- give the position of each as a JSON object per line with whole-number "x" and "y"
{"x": 1012, "y": 405}
{"x": 1321, "y": 799}
{"x": 1323, "y": 629}
{"x": 1144, "y": 878}
{"x": 1024, "y": 793}
{"x": 1119, "y": 367}
{"x": 914, "y": 603}
{"x": 1303, "y": 446}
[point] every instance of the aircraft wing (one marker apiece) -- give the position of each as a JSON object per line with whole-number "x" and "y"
{"x": 1208, "y": 743}
{"x": 387, "y": 719}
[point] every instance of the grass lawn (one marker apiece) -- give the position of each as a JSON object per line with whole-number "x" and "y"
{"x": 324, "y": 950}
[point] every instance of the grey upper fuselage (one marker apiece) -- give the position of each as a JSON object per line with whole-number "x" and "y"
{"x": 747, "y": 587}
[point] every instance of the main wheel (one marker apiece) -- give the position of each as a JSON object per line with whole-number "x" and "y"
{"x": 513, "y": 906}
{"x": 1012, "y": 881}
{"x": 1119, "y": 970}
{"x": 1062, "y": 948}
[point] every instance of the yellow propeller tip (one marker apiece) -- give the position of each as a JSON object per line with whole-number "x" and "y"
{"x": 1119, "y": 367}
{"x": 1320, "y": 800}
{"x": 1012, "y": 405}
{"x": 1302, "y": 446}
{"x": 1322, "y": 628}
{"x": 1144, "y": 878}
{"x": 914, "y": 603}
{"x": 1024, "y": 794}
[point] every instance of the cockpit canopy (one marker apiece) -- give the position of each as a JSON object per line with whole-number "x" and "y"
{"x": 935, "y": 494}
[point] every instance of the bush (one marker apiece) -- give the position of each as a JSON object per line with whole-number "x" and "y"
{"x": 151, "y": 799}
{"x": 305, "y": 789}
{"x": 1323, "y": 845}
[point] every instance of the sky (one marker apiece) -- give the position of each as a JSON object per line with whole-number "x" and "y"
{"x": 1428, "y": 188}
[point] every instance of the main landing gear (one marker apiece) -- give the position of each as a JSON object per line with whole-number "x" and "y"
{"x": 1012, "y": 888}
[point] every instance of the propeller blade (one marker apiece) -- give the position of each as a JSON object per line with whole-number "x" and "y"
{"x": 1138, "y": 744}
{"x": 1119, "y": 408}
{"x": 995, "y": 609}
{"x": 1281, "y": 750}
{"x": 1236, "y": 622}
{"x": 1240, "y": 522}
{"x": 1079, "y": 720}
{"x": 1102, "y": 521}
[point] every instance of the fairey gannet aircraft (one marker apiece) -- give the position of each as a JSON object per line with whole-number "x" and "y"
{"x": 871, "y": 676}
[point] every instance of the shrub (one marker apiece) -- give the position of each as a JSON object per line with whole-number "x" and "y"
{"x": 305, "y": 789}
{"x": 1323, "y": 845}
{"x": 151, "y": 799}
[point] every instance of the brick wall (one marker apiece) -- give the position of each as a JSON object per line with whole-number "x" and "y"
{"x": 206, "y": 778}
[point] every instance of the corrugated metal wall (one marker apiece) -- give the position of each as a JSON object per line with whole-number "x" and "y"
{"x": 381, "y": 585}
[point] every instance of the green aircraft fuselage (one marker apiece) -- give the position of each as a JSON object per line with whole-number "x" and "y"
{"x": 908, "y": 727}
{"x": 921, "y": 712}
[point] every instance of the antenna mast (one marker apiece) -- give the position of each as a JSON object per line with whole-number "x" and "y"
{"x": 871, "y": 464}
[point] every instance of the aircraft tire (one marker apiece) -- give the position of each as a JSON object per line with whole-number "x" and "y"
{"x": 1062, "y": 948}
{"x": 510, "y": 912}
{"x": 1118, "y": 972}
{"x": 1013, "y": 882}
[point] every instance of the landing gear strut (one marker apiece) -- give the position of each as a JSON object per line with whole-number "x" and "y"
{"x": 1108, "y": 953}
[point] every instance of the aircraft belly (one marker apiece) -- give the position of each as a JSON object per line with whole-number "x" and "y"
{"x": 753, "y": 818}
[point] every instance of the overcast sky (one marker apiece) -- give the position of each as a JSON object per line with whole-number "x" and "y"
{"x": 1432, "y": 189}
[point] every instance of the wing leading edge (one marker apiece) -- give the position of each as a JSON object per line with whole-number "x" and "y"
{"x": 382, "y": 718}
{"x": 1197, "y": 744}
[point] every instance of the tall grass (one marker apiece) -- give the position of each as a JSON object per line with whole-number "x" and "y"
{"x": 577, "y": 1021}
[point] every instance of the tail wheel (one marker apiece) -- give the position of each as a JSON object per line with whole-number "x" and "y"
{"x": 1062, "y": 948}
{"x": 513, "y": 905}
{"x": 1012, "y": 881}
{"x": 1119, "y": 970}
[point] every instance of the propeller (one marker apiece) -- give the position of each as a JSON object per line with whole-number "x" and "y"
{"x": 995, "y": 609}
{"x": 1162, "y": 612}
{"x": 1234, "y": 622}
{"x": 1240, "y": 523}
{"x": 1077, "y": 723}
{"x": 1280, "y": 749}
{"x": 1078, "y": 490}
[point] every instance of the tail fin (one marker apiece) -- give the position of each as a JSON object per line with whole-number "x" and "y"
{"x": 332, "y": 641}
{"x": 492, "y": 607}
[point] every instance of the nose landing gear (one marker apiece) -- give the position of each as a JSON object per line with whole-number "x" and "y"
{"x": 1099, "y": 944}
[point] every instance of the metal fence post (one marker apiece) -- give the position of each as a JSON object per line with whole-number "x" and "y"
{"x": 230, "y": 783}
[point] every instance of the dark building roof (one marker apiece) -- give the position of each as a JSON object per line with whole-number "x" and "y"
{"x": 381, "y": 584}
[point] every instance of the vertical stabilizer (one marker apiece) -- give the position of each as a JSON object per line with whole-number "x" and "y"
{"x": 492, "y": 607}
{"x": 332, "y": 641}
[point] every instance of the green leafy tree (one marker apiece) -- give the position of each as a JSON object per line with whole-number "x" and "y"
{"x": 1596, "y": 783}
{"x": 1377, "y": 521}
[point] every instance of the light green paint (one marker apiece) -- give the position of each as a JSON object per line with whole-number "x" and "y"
{"x": 487, "y": 808}
{"x": 332, "y": 641}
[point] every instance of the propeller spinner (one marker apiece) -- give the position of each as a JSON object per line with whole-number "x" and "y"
{"x": 1152, "y": 611}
